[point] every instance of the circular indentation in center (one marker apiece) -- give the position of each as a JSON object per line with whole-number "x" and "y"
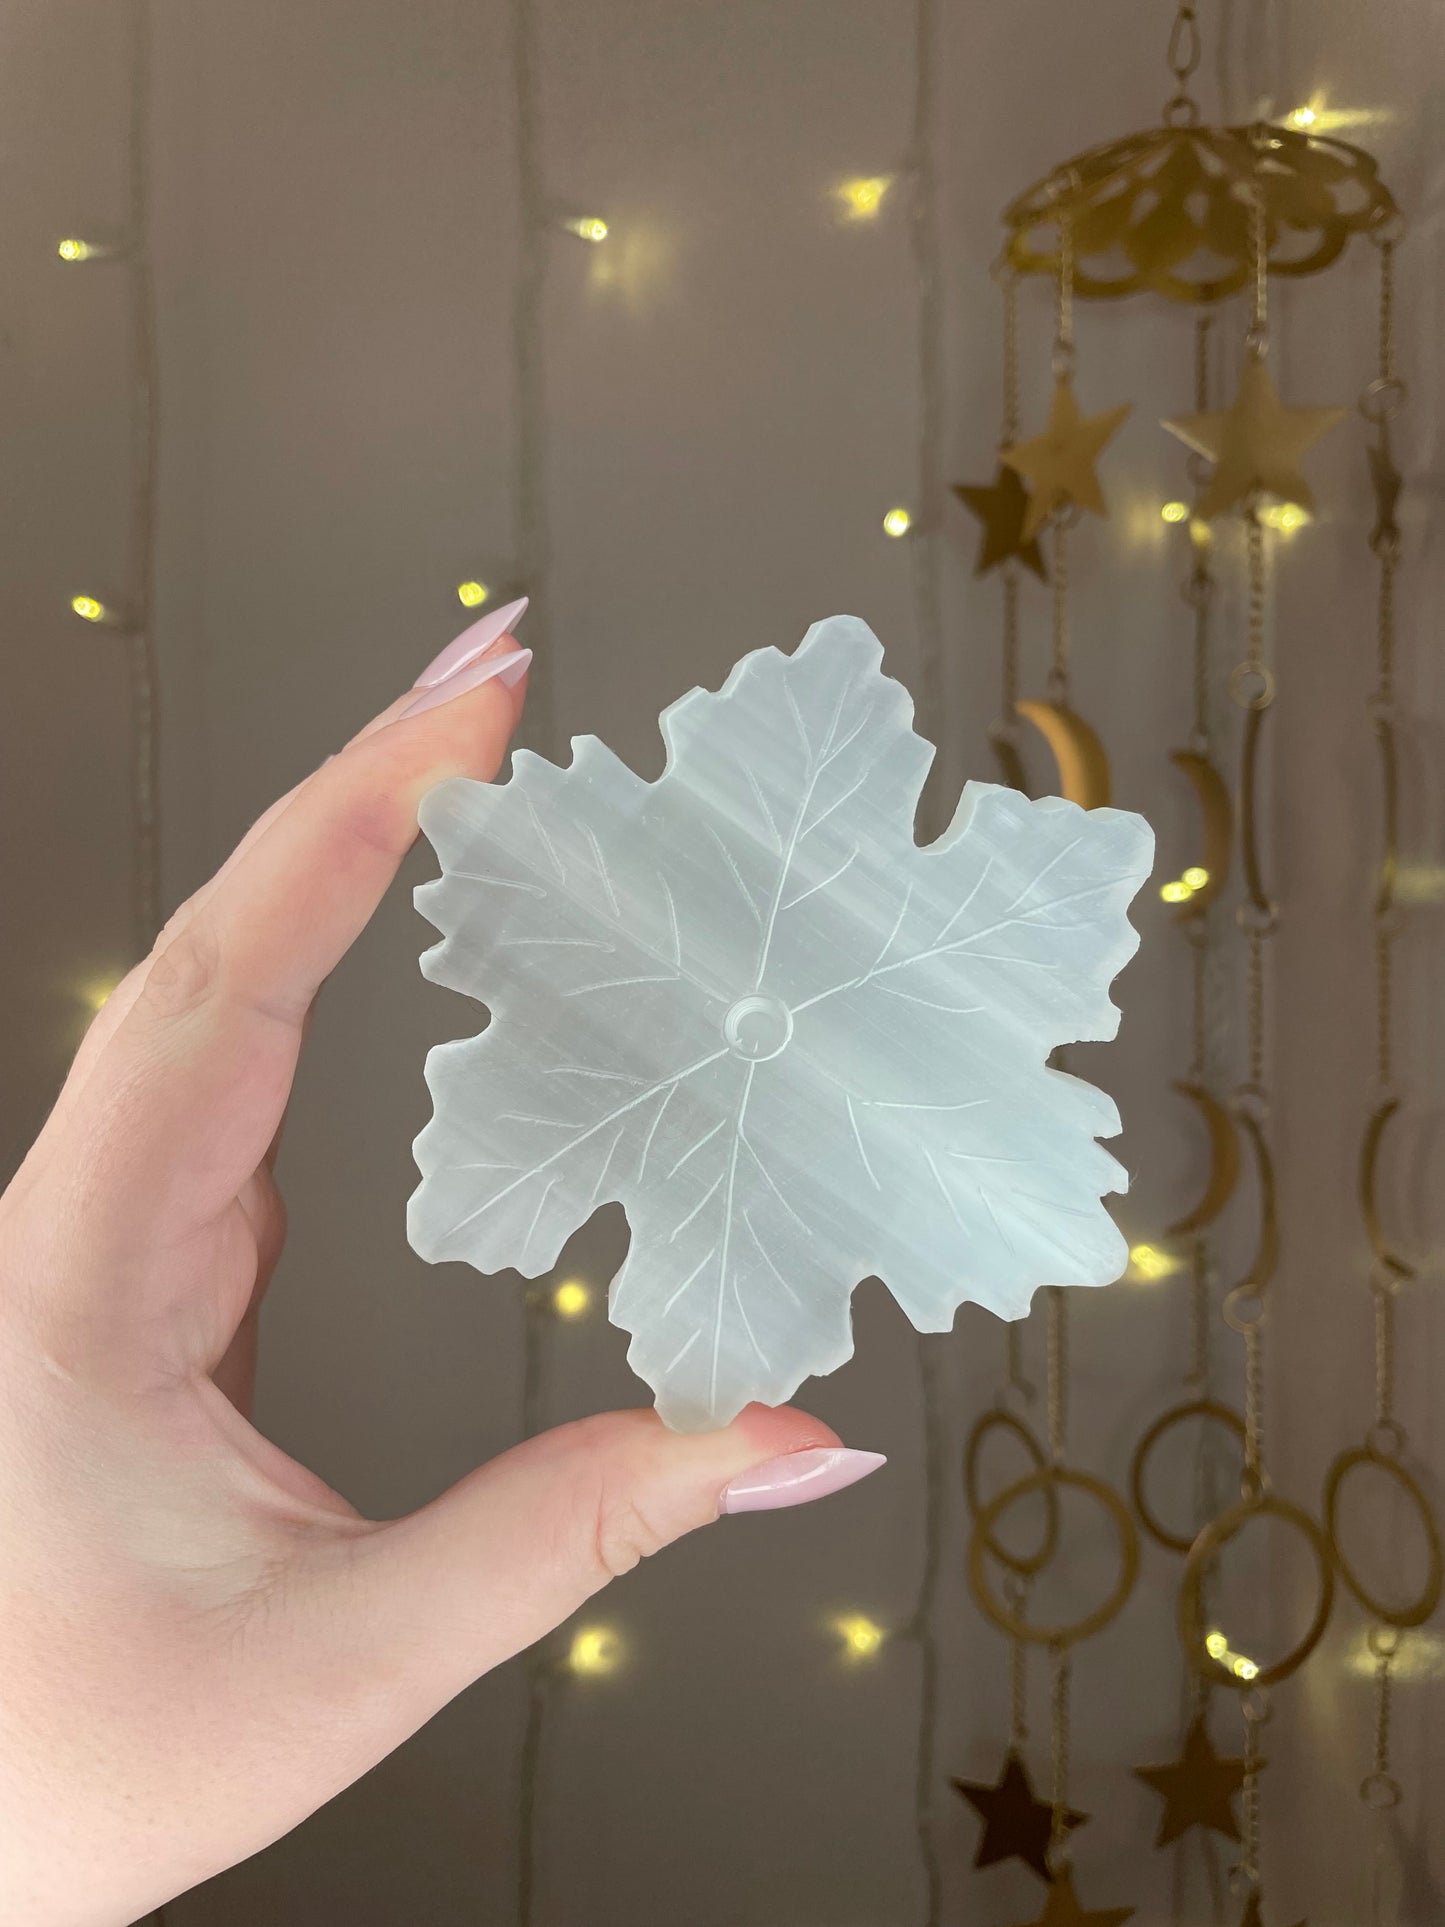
{"x": 758, "y": 1027}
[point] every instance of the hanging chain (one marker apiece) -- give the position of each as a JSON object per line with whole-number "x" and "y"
{"x": 1059, "y": 1705}
{"x": 1016, "y": 1597}
{"x": 1256, "y": 336}
{"x": 1256, "y": 1710}
{"x": 1009, "y": 430}
{"x": 1058, "y": 1370}
{"x": 1059, "y": 662}
{"x": 1380, "y": 403}
{"x": 1183, "y": 56}
{"x": 1008, "y": 280}
{"x": 1065, "y": 514}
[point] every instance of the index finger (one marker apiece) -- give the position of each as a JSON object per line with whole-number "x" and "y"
{"x": 184, "y": 1096}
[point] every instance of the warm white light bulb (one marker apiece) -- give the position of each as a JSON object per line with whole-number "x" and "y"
{"x": 863, "y": 197}
{"x": 587, "y": 227}
{"x": 1151, "y": 1263}
{"x": 1180, "y": 890}
{"x": 1196, "y": 876}
{"x": 72, "y": 248}
{"x": 1302, "y": 117}
{"x": 897, "y": 522}
{"x": 1286, "y": 517}
{"x": 88, "y": 609}
{"x": 1175, "y": 511}
{"x": 594, "y": 1650}
{"x": 472, "y": 595}
{"x": 862, "y": 1637}
{"x": 571, "y": 1298}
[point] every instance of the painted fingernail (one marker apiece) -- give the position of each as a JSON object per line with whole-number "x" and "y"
{"x": 472, "y": 643}
{"x": 508, "y": 668}
{"x": 798, "y": 1477}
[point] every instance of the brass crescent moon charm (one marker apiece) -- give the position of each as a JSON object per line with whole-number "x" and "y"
{"x": 1217, "y": 818}
{"x": 1369, "y": 1196}
{"x": 1082, "y": 762}
{"x": 1256, "y": 1280}
{"x": 1223, "y": 1160}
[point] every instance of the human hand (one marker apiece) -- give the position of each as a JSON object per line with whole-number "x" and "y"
{"x": 200, "y": 1642}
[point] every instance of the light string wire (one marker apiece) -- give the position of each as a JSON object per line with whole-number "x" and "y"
{"x": 141, "y": 654}
{"x": 922, "y": 1627}
{"x": 1252, "y": 685}
{"x": 1380, "y": 1790}
{"x": 533, "y": 551}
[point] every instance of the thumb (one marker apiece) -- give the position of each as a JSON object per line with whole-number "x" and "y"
{"x": 519, "y": 1544}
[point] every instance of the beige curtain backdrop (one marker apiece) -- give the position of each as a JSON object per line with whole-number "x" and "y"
{"x": 732, "y": 403}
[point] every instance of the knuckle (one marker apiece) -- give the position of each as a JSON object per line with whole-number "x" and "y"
{"x": 185, "y": 968}
{"x": 625, "y": 1534}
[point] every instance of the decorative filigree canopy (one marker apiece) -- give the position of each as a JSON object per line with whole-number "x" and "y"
{"x": 1169, "y": 209}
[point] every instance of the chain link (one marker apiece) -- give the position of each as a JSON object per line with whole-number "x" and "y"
{"x": 1184, "y": 56}
{"x": 1256, "y": 1713}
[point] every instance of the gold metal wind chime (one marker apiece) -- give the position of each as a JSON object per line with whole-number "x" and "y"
{"x": 1197, "y": 214}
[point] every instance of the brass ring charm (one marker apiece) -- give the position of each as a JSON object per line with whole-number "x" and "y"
{"x": 1001, "y": 1419}
{"x": 1068, "y": 1634}
{"x": 1420, "y": 1610}
{"x": 1206, "y": 1408}
{"x": 1251, "y": 685}
{"x": 1202, "y": 1556}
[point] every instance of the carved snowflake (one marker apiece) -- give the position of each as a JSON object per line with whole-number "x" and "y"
{"x": 797, "y": 1048}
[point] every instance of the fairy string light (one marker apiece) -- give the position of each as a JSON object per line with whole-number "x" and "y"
{"x": 922, "y": 1627}
{"x": 133, "y": 622}
{"x": 1386, "y": 1442}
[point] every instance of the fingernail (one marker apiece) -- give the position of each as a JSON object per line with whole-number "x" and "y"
{"x": 798, "y": 1477}
{"x": 471, "y": 643}
{"x": 508, "y": 668}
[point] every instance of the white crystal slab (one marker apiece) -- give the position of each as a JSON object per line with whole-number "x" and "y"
{"x": 796, "y": 1047}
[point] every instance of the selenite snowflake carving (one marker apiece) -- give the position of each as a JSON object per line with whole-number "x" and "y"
{"x": 798, "y": 1048}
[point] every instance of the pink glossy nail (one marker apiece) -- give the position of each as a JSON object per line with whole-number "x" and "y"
{"x": 798, "y": 1477}
{"x": 508, "y": 668}
{"x": 471, "y": 643}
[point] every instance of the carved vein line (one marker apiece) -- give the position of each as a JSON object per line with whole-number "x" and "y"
{"x": 546, "y": 841}
{"x": 813, "y": 889}
{"x": 763, "y": 1254}
{"x": 858, "y": 1140}
{"x": 737, "y": 875}
{"x": 692, "y": 1148}
{"x": 666, "y": 1083}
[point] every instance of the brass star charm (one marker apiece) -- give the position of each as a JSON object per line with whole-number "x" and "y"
{"x": 1252, "y": 1916}
{"x": 1197, "y": 1789}
{"x": 1059, "y": 464}
{"x": 1016, "y": 1824}
{"x": 1256, "y": 444}
{"x": 1387, "y": 482}
{"x": 1002, "y": 510}
{"x": 1062, "y": 1909}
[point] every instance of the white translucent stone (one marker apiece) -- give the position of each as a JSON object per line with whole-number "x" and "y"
{"x": 796, "y": 1047}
